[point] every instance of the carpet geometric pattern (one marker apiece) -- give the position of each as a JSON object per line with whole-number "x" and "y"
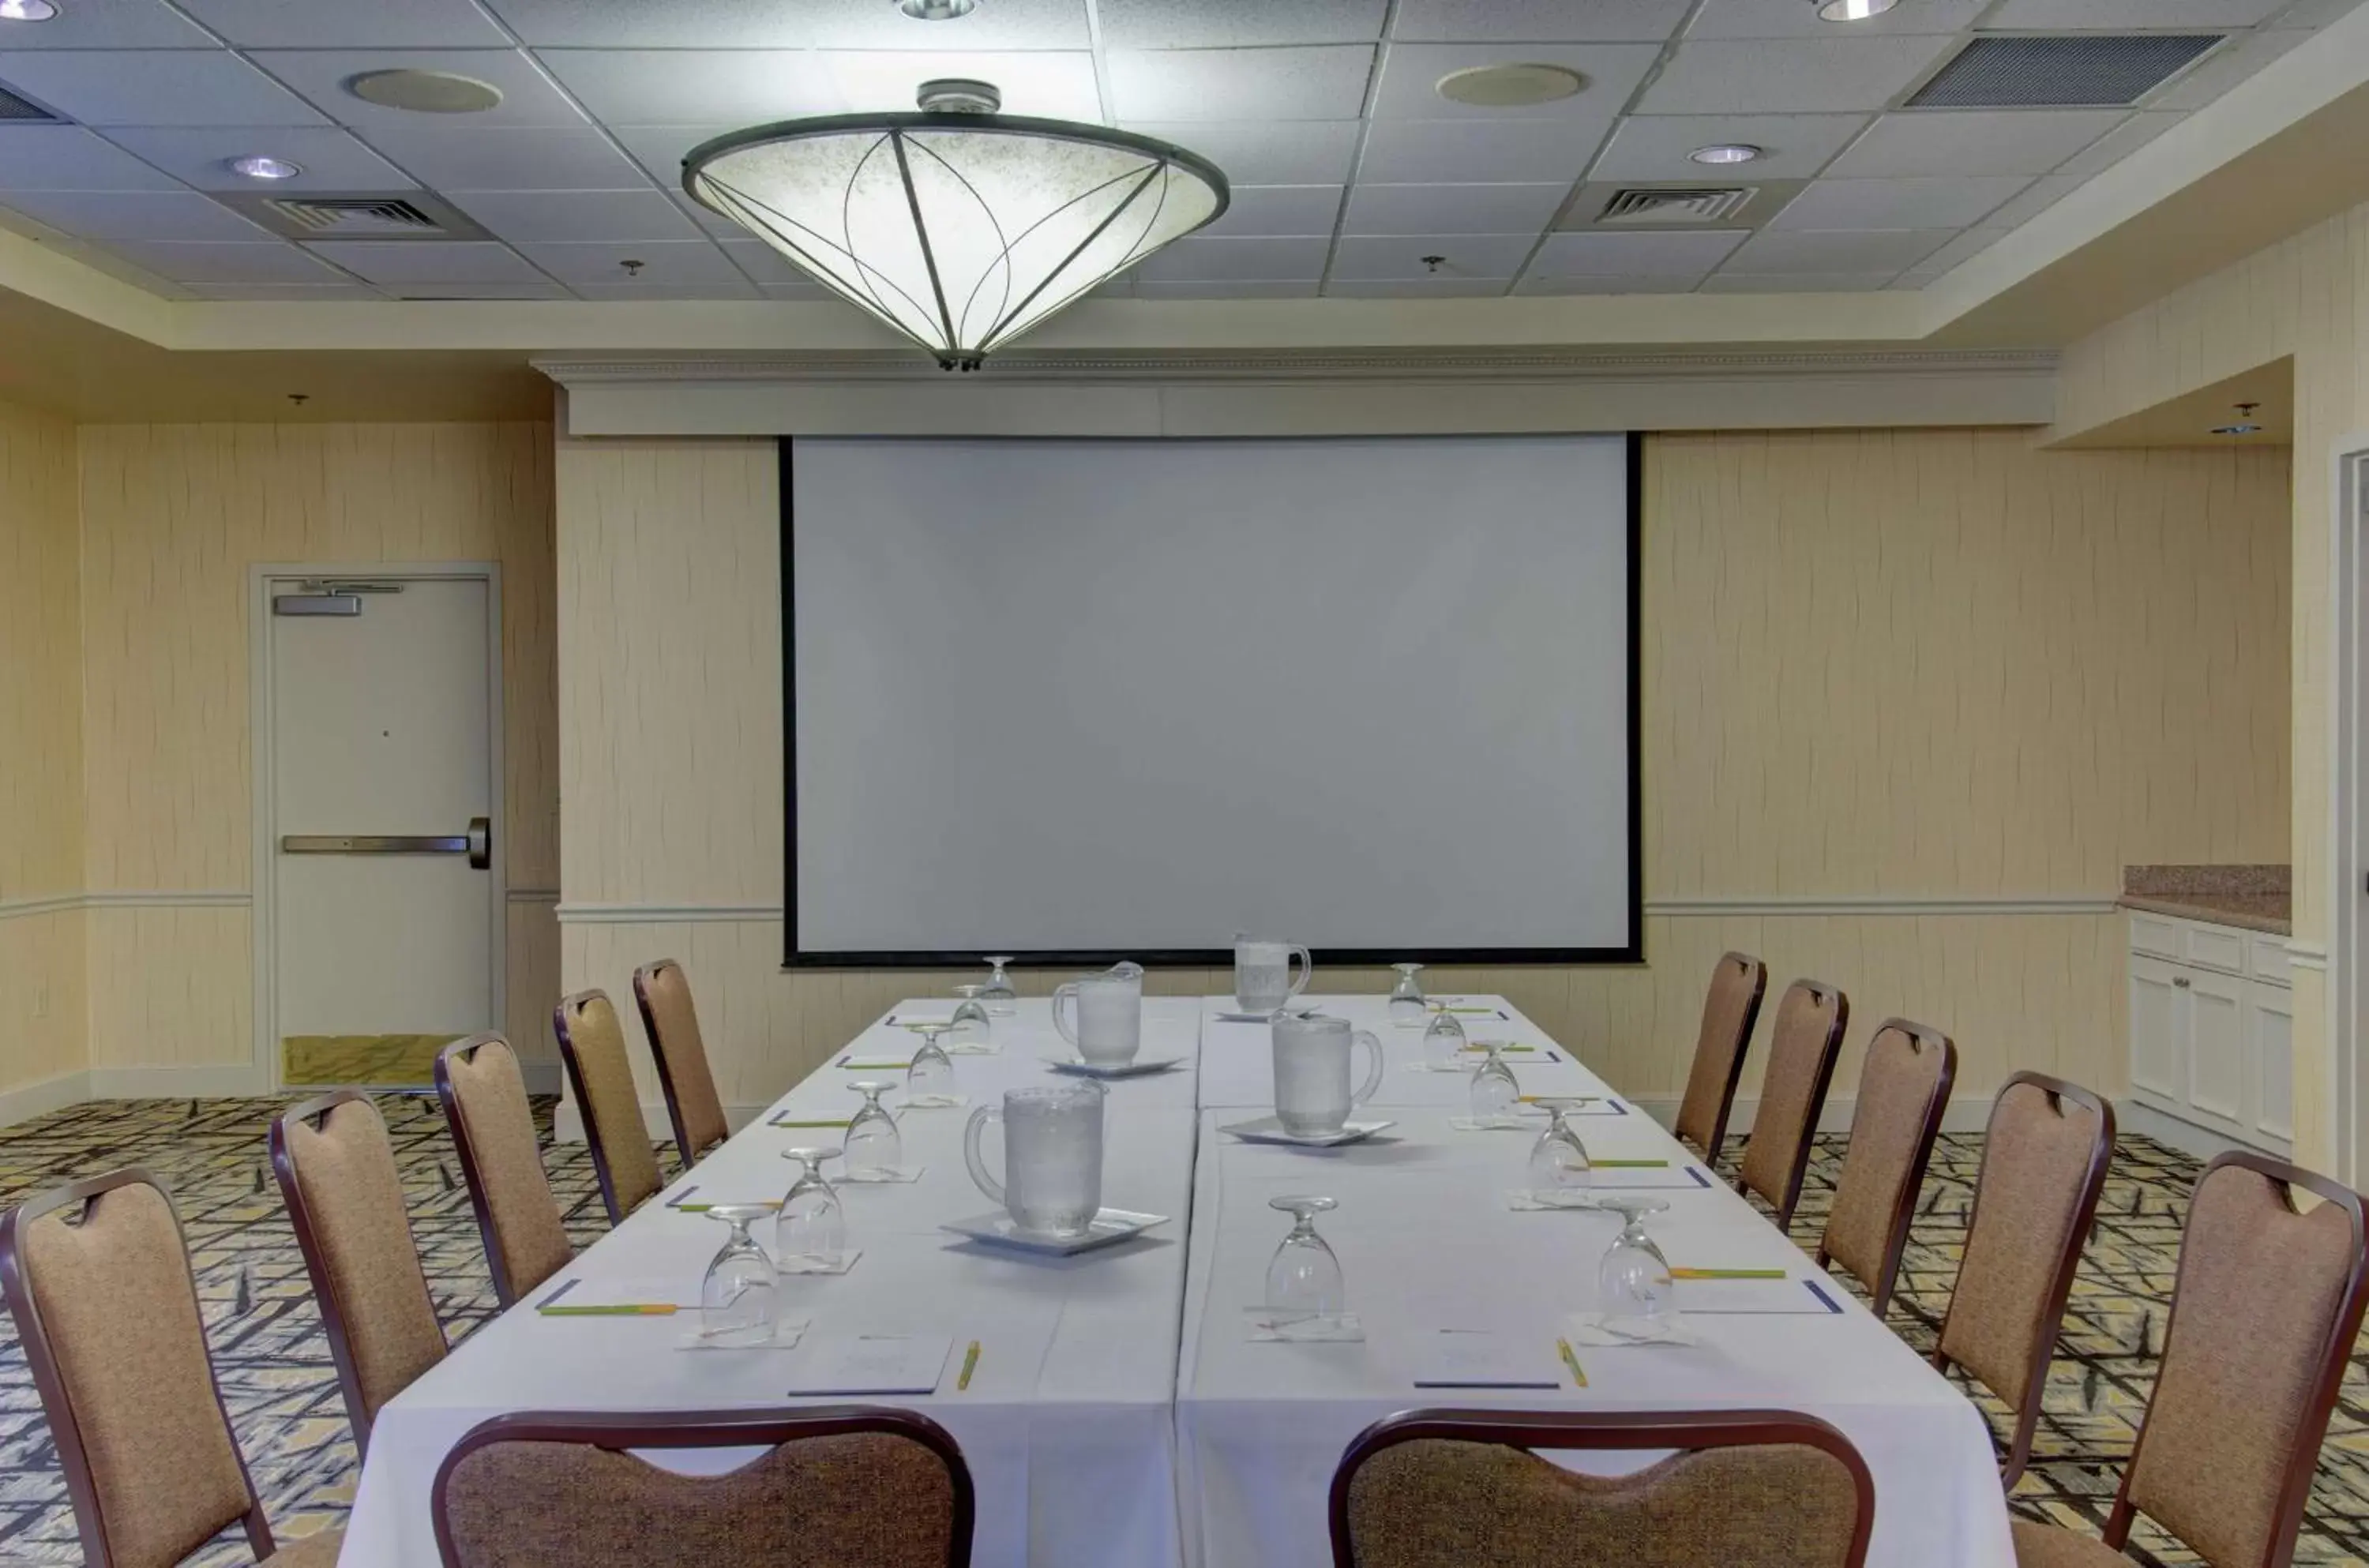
{"x": 274, "y": 1362}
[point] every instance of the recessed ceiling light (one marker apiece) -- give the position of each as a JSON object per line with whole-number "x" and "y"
{"x": 936, "y": 10}
{"x": 1510, "y": 87}
{"x": 1725, "y": 152}
{"x": 27, "y": 10}
{"x": 1852, "y": 10}
{"x": 257, "y": 166}
{"x": 2237, "y": 430}
{"x": 424, "y": 92}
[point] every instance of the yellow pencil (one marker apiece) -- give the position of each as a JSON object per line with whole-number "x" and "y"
{"x": 623, "y": 1309}
{"x": 970, "y": 1364}
{"x": 1727, "y": 1274}
{"x": 1572, "y": 1361}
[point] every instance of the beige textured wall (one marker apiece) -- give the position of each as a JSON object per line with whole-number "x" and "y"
{"x": 1937, "y": 665}
{"x": 173, "y": 516}
{"x": 2306, "y": 297}
{"x": 41, "y": 996}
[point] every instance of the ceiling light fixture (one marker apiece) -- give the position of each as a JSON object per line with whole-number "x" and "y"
{"x": 959, "y": 227}
{"x": 27, "y": 10}
{"x": 936, "y": 10}
{"x": 1725, "y": 152}
{"x": 256, "y": 165}
{"x": 2244, "y": 425}
{"x": 424, "y": 92}
{"x": 1509, "y": 87}
{"x": 1851, "y": 11}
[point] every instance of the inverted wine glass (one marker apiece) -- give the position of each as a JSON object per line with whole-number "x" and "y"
{"x": 1495, "y": 1094}
{"x": 1559, "y": 1163}
{"x": 1407, "y": 1006}
{"x": 737, "y": 1300}
{"x": 875, "y": 1148}
{"x": 1303, "y": 1280}
{"x": 1000, "y": 998}
{"x": 971, "y": 1026}
{"x": 930, "y": 1076}
{"x": 1634, "y": 1281}
{"x": 1442, "y": 1038}
{"x": 810, "y": 1233}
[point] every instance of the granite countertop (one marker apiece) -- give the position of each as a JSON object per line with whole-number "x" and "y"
{"x": 2256, "y": 897}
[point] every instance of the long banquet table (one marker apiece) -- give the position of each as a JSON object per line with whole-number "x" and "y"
{"x": 1121, "y": 1416}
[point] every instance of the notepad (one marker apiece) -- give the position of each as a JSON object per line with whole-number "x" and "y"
{"x": 871, "y": 1364}
{"x": 1482, "y": 1358}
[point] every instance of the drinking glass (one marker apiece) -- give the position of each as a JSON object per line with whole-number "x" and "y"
{"x": 1314, "y": 1089}
{"x": 735, "y": 1300}
{"x": 1406, "y": 997}
{"x": 1443, "y": 1040}
{"x": 1633, "y": 1280}
{"x": 1496, "y": 1095}
{"x": 1559, "y": 1163}
{"x": 875, "y": 1148}
{"x": 1101, "y": 1015}
{"x": 1052, "y": 1182}
{"x": 810, "y": 1233}
{"x": 1303, "y": 1281}
{"x": 930, "y": 1076}
{"x": 970, "y": 1022}
{"x": 1263, "y": 974}
{"x": 1000, "y": 998}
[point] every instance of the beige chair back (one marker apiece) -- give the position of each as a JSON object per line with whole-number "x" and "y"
{"x": 96, "y": 1276}
{"x": 592, "y": 1046}
{"x": 344, "y": 1195}
{"x": 694, "y": 1108}
{"x": 841, "y": 1485}
{"x": 1456, "y": 1488}
{"x": 1729, "y": 1008}
{"x": 1902, "y": 1091}
{"x": 493, "y": 1133}
{"x": 2045, "y": 1157}
{"x": 1802, "y": 1045}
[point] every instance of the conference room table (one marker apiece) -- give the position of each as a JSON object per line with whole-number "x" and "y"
{"x": 1122, "y": 1414}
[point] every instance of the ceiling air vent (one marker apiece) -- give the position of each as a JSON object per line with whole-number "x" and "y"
{"x": 1674, "y": 204}
{"x": 15, "y": 109}
{"x": 2065, "y": 70}
{"x": 394, "y": 215}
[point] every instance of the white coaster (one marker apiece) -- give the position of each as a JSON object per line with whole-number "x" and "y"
{"x": 1603, "y": 1329}
{"x": 885, "y": 1174}
{"x": 1523, "y": 1202}
{"x": 933, "y": 1103}
{"x": 1489, "y": 1124}
{"x": 787, "y": 1332}
{"x": 1344, "y": 1329}
{"x": 840, "y": 1265}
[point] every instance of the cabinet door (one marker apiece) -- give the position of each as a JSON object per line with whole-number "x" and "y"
{"x": 2270, "y": 1019}
{"x": 2158, "y": 1022}
{"x": 2217, "y": 1053}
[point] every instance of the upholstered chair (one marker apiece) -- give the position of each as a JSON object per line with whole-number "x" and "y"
{"x": 1730, "y": 1009}
{"x": 344, "y": 1195}
{"x": 694, "y": 1108}
{"x": 2044, "y": 1160}
{"x": 838, "y": 1485}
{"x": 1458, "y": 1488}
{"x": 592, "y": 1046}
{"x": 1904, "y": 1088}
{"x": 1802, "y": 1043}
{"x": 493, "y": 1134}
{"x": 97, "y": 1274}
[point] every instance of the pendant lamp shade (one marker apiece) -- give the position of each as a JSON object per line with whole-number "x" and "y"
{"x": 959, "y": 227}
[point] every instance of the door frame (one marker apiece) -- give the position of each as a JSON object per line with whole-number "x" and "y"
{"x": 2346, "y": 957}
{"x": 261, "y": 578}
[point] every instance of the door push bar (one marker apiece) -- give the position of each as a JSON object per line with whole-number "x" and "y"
{"x": 477, "y": 843}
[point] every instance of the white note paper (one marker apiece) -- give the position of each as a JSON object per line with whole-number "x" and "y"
{"x": 1480, "y": 1359}
{"x": 871, "y": 1364}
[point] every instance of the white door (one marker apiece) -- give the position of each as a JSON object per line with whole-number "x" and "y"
{"x": 2216, "y": 1046}
{"x": 2158, "y": 1015}
{"x": 386, "y": 929}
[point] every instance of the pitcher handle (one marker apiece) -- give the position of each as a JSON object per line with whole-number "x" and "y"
{"x": 971, "y": 1130}
{"x": 1070, "y": 992}
{"x": 1307, "y": 972}
{"x": 1365, "y": 1091}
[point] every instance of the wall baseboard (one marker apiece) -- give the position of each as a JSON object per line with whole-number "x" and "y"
{"x": 2202, "y": 1142}
{"x": 226, "y": 1082}
{"x": 27, "y": 1100}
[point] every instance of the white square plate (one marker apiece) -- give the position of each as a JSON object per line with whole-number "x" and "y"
{"x": 1136, "y": 1069}
{"x": 1269, "y": 1129}
{"x": 1110, "y": 1225}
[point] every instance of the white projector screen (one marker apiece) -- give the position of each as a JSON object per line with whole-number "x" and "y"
{"x": 1084, "y": 700}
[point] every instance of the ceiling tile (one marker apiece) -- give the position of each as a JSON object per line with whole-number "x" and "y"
{"x": 311, "y": 292}
{"x": 153, "y": 86}
{"x": 1415, "y": 288}
{"x": 738, "y": 289}
{"x": 143, "y": 214}
{"x": 693, "y": 87}
{"x": 794, "y": 291}
{"x": 1896, "y": 203}
{"x": 1279, "y": 209}
{"x": 350, "y": 24}
{"x": 1461, "y": 256}
{"x": 509, "y": 157}
{"x": 2120, "y": 142}
{"x": 330, "y": 159}
{"x": 1411, "y": 72}
{"x": 528, "y": 97}
{"x": 1973, "y": 242}
{"x": 576, "y": 215}
{"x": 761, "y": 263}
{"x": 2316, "y": 13}
{"x": 1299, "y": 151}
{"x": 1973, "y": 142}
{"x": 430, "y": 261}
{"x": 1798, "y": 282}
{"x": 1791, "y": 76}
{"x": 433, "y": 288}
{"x": 1301, "y": 83}
{"x": 2112, "y": 15}
{"x": 1611, "y": 283}
{"x": 659, "y": 148}
{"x": 1601, "y": 254}
{"x": 1216, "y": 24}
{"x": 270, "y": 261}
{"x": 2226, "y": 66}
{"x": 690, "y": 261}
{"x": 109, "y": 24}
{"x": 1448, "y": 152}
{"x": 1052, "y": 85}
{"x": 1224, "y": 289}
{"x": 1822, "y": 250}
{"x": 770, "y": 24}
{"x": 1793, "y": 147}
{"x": 2035, "y": 199}
{"x": 1535, "y": 21}
{"x": 1800, "y": 18}
{"x": 1452, "y": 209}
{"x": 1200, "y": 259}
{"x": 67, "y": 157}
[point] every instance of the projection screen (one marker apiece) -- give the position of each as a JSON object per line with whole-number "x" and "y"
{"x": 1080, "y": 700}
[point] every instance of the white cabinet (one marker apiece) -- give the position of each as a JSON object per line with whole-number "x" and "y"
{"x": 2211, "y": 1018}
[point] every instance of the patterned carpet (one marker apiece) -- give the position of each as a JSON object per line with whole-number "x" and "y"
{"x": 282, "y": 1391}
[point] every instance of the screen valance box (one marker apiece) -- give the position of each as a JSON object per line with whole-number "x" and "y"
{"x": 1079, "y": 699}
